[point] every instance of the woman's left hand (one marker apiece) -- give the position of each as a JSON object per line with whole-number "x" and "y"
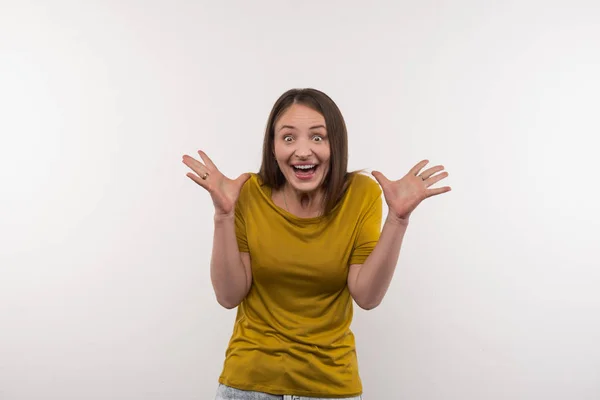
{"x": 404, "y": 195}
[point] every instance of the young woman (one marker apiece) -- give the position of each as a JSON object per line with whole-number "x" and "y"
{"x": 295, "y": 244}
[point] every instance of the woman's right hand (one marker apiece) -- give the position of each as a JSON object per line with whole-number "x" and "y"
{"x": 223, "y": 191}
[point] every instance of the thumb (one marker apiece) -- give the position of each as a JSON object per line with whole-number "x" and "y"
{"x": 242, "y": 178}
{"x": 380, "y": 178}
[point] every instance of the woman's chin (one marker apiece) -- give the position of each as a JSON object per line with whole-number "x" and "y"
{"x": 305, "y": 185}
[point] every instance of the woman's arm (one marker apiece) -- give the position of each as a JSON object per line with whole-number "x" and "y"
{"x": 230, "y": 270}
{"x": 369, "y": 282}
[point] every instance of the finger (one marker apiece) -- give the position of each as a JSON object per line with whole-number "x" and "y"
{"x": 435, "y": 192}
{"x": 243, "y": 178}
{"x": 209, "y": 163}
{"x": 415, "y": 170}
{"x": 436, "y": 178}
{"x": 382, "y": 179}
{"x": 194, "y": 164}
{"x": 430, "y": 171}
{"x": 197, "y": 179}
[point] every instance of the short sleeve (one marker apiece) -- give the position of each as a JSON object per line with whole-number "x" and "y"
{"x": 368, "y": 233}
{"x": 240, "y": 221}
{"x": 240, "y": 230}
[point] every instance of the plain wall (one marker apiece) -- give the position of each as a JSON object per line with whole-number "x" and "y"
{"x": 105, "y": 243}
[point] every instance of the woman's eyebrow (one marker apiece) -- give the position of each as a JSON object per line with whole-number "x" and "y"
{"x": 293, "y": 127}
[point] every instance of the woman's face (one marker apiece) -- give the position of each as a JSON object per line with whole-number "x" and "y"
{"x": 302, "y": 147}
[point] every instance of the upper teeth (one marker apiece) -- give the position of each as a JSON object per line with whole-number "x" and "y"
{"x": 304, "y": 166}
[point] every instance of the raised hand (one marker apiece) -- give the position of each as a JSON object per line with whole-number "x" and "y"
{"x": 223, "y": 191}
{"x": 404, "y": 195}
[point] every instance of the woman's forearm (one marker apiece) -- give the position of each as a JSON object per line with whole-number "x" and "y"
{"x": 228, "y": 274}
{"x": 375, "y": 274}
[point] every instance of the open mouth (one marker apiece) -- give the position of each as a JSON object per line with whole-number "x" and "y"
{"x": 305, "y": 171}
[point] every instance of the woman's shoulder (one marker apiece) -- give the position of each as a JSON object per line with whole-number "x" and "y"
{"x": 248, "y": 188}
{"x": 361, "y": 183}
{"x": 362, "y": 192}
{"x": 254, "y": 180}
{"x": 254, "y": 188}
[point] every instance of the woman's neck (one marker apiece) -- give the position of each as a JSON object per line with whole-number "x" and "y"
{"x": 303, "y": 204}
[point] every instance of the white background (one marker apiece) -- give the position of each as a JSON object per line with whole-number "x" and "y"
{"x": 105, "y": 243}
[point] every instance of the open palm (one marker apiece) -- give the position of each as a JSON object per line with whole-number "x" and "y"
{"x": 404, "y": 195}
{"x": 223, "y": 191}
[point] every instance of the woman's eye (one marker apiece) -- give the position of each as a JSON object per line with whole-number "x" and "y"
{"x": 287, "y": 138}
{"x": 318, "y": 138}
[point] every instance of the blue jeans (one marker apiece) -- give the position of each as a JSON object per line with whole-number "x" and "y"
{"x": 228, "y": 393}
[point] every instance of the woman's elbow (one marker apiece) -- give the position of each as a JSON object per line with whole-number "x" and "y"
{"x": 368, "y": 305}
{"x": 228, "y": 303}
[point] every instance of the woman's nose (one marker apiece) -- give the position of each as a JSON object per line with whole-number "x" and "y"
{"x": 303, "y": 150}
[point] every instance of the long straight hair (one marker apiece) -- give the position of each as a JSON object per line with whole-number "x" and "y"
{"x": 337, "y": 179}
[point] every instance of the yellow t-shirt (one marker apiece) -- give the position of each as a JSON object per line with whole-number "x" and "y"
{"x": 292, "y": 331}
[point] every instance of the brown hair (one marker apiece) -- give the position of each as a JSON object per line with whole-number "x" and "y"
{"x": 337, "y": 178}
